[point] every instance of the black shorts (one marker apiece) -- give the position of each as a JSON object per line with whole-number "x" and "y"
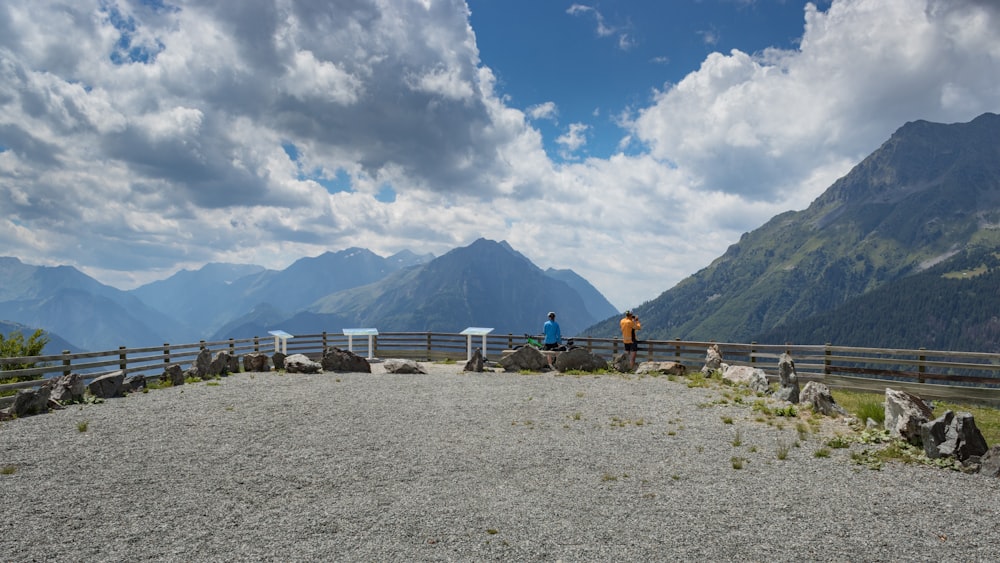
{"x": 550, "y": 346}
{"x": 631, "y": 346}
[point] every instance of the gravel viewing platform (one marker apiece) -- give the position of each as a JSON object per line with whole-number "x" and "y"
{"x": 453, "y": 466}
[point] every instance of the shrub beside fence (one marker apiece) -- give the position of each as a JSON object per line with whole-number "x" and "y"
{"x": 956, "y": 376}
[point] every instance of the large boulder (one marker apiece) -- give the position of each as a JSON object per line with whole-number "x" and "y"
{"x": 713, "y": 360}
{"x": 789, "y": 380}
{"x": 403, "y": 366}
{"x": 952, "y": 435}
{"x": 990, "y": 463}
{"x": 256, "y": 362}
{"x": 524, "y": 358}
{"x": 300, "y": 363}
{"x": 31, "y": 401}
{"x": 747, "y": 376}
{"x": 477, "y": 363}
{"x": 622, "y": 363}
{"x": 818, "y": 396}
{"x": 108, "y": 385}
{"x": 202, "y": 363}
{"x": 219, "y": 366}
{"x": 658, "y": 368}
{"x": 904, "y": 414}
{"x": 68, "y": 388}
{"x": 278, "y": 359}
{"x": 335, "y": 359}
{"x": 134, "y": 383}
{"x": 579, "y": 359}
{"x": 173, "y": 375}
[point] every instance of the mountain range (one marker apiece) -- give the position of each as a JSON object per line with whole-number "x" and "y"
{"x": 861, "y": 264}
{"x": 487, "y": 283}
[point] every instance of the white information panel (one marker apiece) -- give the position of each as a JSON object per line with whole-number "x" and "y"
{"x": 371, "y": 333}
{"x": 281, "y": 337}
{"x": 475, "y": 331}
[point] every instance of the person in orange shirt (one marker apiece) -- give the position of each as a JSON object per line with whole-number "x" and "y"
{"x": 629, "y": 325}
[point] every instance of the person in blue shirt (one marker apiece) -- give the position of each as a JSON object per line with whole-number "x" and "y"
{"x": 553, "y": 336}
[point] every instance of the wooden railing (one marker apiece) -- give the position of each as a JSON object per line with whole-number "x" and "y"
{"x": 956, "y": 376}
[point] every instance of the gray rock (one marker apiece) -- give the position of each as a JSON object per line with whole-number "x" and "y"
{"x": 134, "y": 383}
{"x": 173, "y": 375}
{"x": 336, "y": 359}
{"x": 751, "y": 377}
{"x": 256, "y": 362}
{"x": 952, "y": 435}
{"x": 31, "y": 401}
{"x": 203, "y": 363}
{"x": 621, "y": 363}
{"x": 989, "y": 464}
{"x": 713, "y": 360}
{"x": 219, "y": 366}
{"x": 579, "y": 359}
{"x": 68, "y": 388}
{"x": 788, "y": 379}
{"x": 818, "y": 396}
{"x": 403, "y": 366}
{"x": 662, "y": 368}
{"x": 278, "y": 359}
{"x": 300, "y": 363}
{"x": 524, "y": 358}
{"x": 476, "y": 363}
{"x": 107, "y": 386}
{"x": 904, "y": 413}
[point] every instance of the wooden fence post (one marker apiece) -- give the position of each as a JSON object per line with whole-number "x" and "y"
{"x": 921, "y": 368}
{"x": 429, "y": 358}
{"x": 677, "y": 349}
{"x": 166, "y": 353}
{"x": 201, "y": 344}
{"x": 232, "y": 347}
{"x": 826, "y": 359}
{"x": 649, "y": 350}
{"x": 256, "y": 344}
{"x": 122, "y": 361}
{"x": 753, "y": 359}
{"x": 324, "y": 341}
{"x": 66, "y": 362}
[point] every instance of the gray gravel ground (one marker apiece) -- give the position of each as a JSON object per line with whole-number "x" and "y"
{"x": 463, "y": 467}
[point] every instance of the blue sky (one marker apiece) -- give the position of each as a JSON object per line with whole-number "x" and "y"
{"x": 630, "y": 141}
{"x": 598, "y": 60}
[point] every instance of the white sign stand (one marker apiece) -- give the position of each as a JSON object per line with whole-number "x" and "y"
{"x": 371, "y": 333}
{"x": 475, "y": 331}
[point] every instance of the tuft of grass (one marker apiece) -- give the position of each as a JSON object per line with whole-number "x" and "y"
{"x": 738, "y": 462}
{"x": 838, "y": 442}
{"x": 783, "y": 448}
{"x": 822, "y": 452}
{"x": 788, "y": 411}
{"x": 803, "y": 430}
{"x": 8, "y": 469}
{"x": 82, "y": 425}
{"x": 727, "y": 420}
{"x": 738, "y": 439}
